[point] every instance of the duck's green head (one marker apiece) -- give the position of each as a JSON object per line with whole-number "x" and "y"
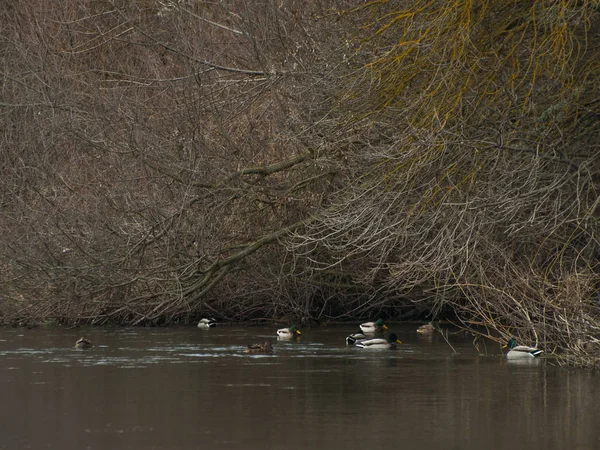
{"x": 393, "y": 339}
{"x": 295, "y": 330}
{"x": 512, "y": 343}
{"x": 380, "y": 324}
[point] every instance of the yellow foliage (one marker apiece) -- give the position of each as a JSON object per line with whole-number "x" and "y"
{"x": 461, "y": 54}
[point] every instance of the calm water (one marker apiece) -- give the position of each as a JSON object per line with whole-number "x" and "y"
{"x": 184, "y": 388}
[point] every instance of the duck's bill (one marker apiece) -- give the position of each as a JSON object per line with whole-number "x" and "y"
{"x": 298, "y": 332}
{"x": 385, "y": 326}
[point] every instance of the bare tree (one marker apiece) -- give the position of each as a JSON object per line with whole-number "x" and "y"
{"x": 432, "y": 154}
{"x": 175, "y": 138}
{"x": 476, "y": 171}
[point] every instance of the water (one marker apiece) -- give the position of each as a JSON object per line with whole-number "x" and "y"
{"x": 184, "y": 388}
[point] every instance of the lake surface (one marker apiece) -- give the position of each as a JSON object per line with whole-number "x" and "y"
{"x": 185, "y": 388}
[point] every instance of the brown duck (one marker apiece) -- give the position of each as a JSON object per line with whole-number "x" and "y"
{"x": 83, "y": 344}
{"x": 265, "y": 348}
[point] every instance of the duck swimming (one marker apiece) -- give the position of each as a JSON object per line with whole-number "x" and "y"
{"x": 265, "y": 348}
{"x": 428, "y": 328}
{"x": 83, "y": 344}
{"x": 354, "y": 338}
{"x": 206, "y": 324}
{"x": 380, "y": 343}
{"x": 288, "y": 333}
{"x": 372, "y": 327}
{"x": 521, "y": 351}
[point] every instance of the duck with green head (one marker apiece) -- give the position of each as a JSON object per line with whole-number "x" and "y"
{"x": 517, "y": 351}
{"x": 288, "y": 333}
{"x": 380, "y": 343}
{"x": 373, "y": 327}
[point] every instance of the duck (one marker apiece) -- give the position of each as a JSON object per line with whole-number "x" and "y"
{"x": 354, "y": 338}
{"x": 517, "y": 351}
{"x": 288, "y": 333}
{"x": 265, "y": 348}
{"x": 428, "y": 328}
{"x": 372, "y": 327}
{"x": 380, "y": 343}
{"x": 206, "y": 324}
{"x": 83, "y": 344}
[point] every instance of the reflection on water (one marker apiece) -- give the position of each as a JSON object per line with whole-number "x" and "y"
{"x": 183, "y": 388}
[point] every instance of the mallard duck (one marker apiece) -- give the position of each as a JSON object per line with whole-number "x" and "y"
{"x": 205, "y": 324}
{"x": 265, "y": 348}
{"x": 83, "y": 344}
{"x": 380, "y": 343}
{"x": 428, "y": 328}
{"x": 354, "y": 338}
{"x": 288, "y": 333}
{"x": 521, "y": 351}
{"x": 372, "y": 327}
